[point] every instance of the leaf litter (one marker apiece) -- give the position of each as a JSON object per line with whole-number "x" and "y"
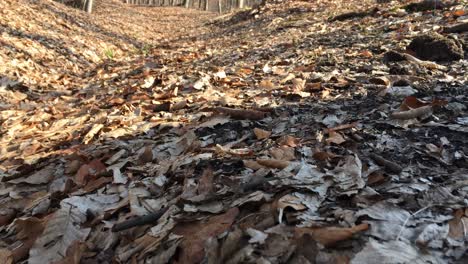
{"x": 318, "y": 132}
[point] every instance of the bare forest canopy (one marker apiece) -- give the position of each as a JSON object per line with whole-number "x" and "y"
{"x": 299, "y": 132}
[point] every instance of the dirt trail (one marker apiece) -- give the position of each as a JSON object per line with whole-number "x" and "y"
{"x": 289, "y": 133}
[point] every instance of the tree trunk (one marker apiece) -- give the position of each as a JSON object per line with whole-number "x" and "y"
{"x": 88, "y": 7}
{"x": 187, "y": 3}
{"x": 207, "y": 5}
{"x": 241, "y": 3}
{"x": 220, "y": 6}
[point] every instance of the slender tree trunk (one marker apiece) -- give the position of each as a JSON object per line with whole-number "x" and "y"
{"x": 220, "y": 6}
{"x": 207, "y": 2}
{"x": 88, "y": 6}
{"x": 187, "y": 3}
{"x": 241, "y": 3}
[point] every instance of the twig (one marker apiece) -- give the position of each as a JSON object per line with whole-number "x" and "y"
{"x": 423, "y": 63}
{"x": 413, "y": 113}
{"x": 457, "y": 28}
{"x": 408, "y": 218}
{"x": 240, "y": 113}
{"x": 139, "y": 221}
{"x": 341, "y": 127}
{"x": 389, "y": 165}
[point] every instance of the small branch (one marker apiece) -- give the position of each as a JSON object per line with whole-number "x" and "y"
{"x": 413, "y": 113}
{"x": 389, "y": 165}
{"x": 408, "y": 218}
{"x": 240, "y": 113}
{"x": 139, "y": 220}
{"x": 457, "y": 28}
{"x": 423, "y": 63}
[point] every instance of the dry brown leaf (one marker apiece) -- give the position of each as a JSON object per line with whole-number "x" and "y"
{"x": 6, "y": 256}
{"x": 335, "y": 137}
{"x": 458, "y": 225}
{"x": 89, "y": 171}
{"x": 179, "y": 105}
{"x": 323, "y": 155}
{"x": 288, "y": 141}
{"x": 28, "y": 230}
{"x": 313, "y": 87}
{"x": 283, "y": 153}
{"x": 146, "y": 156}
{"x": 261, "y": 134}
{"x": 411, "y": 102}
{"x": 92, "y": 132}
{"x": 366, "y": 54}
{"x": 267, "y": 85}
{"x": 74, "y": 253}
{"x": 192, "y": 247}
{"x": 298, "y": 84}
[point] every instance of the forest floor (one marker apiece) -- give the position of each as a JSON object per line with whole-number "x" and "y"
{"x": 295, "y": 132}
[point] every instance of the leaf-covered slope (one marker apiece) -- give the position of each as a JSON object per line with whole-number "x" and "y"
{"x": 44, "y": 43}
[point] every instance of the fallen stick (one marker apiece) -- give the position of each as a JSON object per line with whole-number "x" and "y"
{"x": 423, "y": 63}
{"x": 413, "y": 113}
{"x": 388, "y": 165}
{"x": 457, "y": 28}
{"x": 273, "y": 163}
{"x": 139, "y": 220}
{"x": 341, "y": 127}
{"x": 240, "y": 113}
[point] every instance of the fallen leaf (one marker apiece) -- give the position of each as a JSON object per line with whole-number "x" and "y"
{"x": 61, "y": 231}
{"x": 261, "y": 134}
{"x": 288, "y": 141}
{"x": 192, "y": 246}
{"x": 89, "y": 171}
{"x": 335, "y": 137}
